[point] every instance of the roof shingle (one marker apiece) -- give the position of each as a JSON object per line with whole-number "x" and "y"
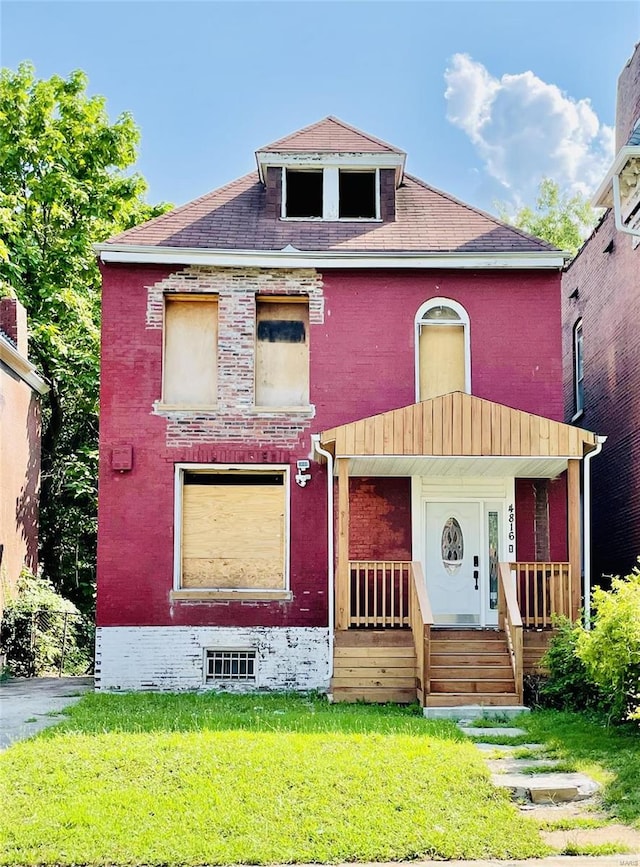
{"x": 234, "y": 217}
{"x": 330, "y": 135}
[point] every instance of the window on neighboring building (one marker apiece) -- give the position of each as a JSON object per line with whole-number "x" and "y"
{"x": 357, "y": 194}
{"x": 282, "y": 352}
{"x": 304, "y": 193}
{"x": 578, "y": 368}
{"x": 234, "y": 529}
{"x": 331, "y": 193}
{"x": 190, "y": 370}
{"x": 443, "y": 349}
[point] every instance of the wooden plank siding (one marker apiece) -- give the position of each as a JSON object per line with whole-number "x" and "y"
{"x": 459, "y": 424}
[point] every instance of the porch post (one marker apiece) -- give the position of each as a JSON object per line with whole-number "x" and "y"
{"x": 342, "y": 572}
{"x": 574, "y": 542}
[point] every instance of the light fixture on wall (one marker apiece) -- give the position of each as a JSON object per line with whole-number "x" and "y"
{"x": 303, "y": 477}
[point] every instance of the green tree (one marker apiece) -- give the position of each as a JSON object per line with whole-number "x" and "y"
{"x": 64, "y": 185}
{"x": 562, "y": 220}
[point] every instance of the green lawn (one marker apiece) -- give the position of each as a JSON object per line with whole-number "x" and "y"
{"x": 193, "y": 779}
{"x": 610, "y": 754}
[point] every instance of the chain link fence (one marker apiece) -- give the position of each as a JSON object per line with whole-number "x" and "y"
{"x": 46, "y": 642}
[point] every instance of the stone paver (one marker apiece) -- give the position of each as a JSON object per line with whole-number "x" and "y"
{"x": 27, "y": 704}
{"x": 497, "y": 732}
{"x": 508, "y": 749}
{"x": 508, "y": 765}
{"x": 547, "y": 788}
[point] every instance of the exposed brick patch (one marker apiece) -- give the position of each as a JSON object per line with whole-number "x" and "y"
{"x": 380, "y": 519}
{"x": 238, "y": 287}
{"x": 235, "y": 420}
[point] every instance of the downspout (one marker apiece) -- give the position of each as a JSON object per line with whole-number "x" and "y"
{"x": 586, "y": 523}
{"x": 315, "y": 439}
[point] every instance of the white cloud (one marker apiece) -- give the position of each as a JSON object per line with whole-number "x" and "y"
{"x": 525, "y": 129}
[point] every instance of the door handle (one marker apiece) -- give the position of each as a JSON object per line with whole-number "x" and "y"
{"x": 475, "y": 577}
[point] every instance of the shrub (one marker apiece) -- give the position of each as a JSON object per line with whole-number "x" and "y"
{"x": 568, "y": 686}
{"x": 32, "y": 632}
{"x": 611, "y": 651}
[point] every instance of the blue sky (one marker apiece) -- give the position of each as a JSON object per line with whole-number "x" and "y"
{"x": 531, "y": 85}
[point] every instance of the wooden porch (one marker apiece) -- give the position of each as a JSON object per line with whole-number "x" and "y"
{"x": 388, "y": 645}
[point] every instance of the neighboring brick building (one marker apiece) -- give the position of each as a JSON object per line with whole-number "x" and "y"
{"x": 245, "y": 335}
{"x": 20, "y": 389}
{"x": 601, "y": 344}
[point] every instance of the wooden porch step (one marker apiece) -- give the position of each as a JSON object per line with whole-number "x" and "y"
{"x": 460, "y": 672}
{"x": 461, "y": 645}
{"x": 496, "y": 699}
{"x": 472, "y": 686}
{"x": 386, "y": 638}
{"x": 376, "y": 695}
{"x": 467, "y": 634}
{"x": 471, "y": 659}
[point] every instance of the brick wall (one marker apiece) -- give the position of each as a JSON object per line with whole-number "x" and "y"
{"x": 380, "y": 519}
{"x": 628, "y": 101}
{"x": 605, "y": 277}
{"x": 362, "y": 361}
{"x": 172, "y": 658}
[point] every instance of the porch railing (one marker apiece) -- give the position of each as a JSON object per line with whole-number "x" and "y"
{"x": 421, "y": 619}
{"x": 379, "y": 593}
{"x": 542, "y": 589}
{"x": 510, "y": 622}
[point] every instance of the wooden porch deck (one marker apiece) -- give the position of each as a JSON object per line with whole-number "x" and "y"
{"x": 388, "y": 648}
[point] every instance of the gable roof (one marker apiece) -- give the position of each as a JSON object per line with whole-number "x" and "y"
{"x": 330, "y": 135}
{"x": 458, "y": 424}
{"x": 235, "y": 217}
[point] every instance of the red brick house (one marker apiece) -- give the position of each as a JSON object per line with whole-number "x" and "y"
{"x": 321, "y": 383}
{"x": 20, "y": 390}
{"x": 601, "y": 349}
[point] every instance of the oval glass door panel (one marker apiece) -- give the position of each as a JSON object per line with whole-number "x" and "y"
{"x": 452, "y": 546}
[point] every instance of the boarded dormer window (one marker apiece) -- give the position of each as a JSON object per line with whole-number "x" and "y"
{"x": 357, "y": 195}
{"x": 304, "y": 193}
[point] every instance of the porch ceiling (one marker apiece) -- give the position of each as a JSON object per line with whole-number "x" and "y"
{"x": 462, "y": 426}
{"x": 475, "y": 467}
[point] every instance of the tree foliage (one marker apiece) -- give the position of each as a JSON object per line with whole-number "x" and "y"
{"x": 64, "y": 185}
{"x": 562, "y": 220}
{"x": 611, "y": 650}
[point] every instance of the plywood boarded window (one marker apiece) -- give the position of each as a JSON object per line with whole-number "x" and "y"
{"x": 190, "y": 373}
{"x": 442, "y": 348}
{"x": 282, "y": 352}
{"x": 233, "y": 530}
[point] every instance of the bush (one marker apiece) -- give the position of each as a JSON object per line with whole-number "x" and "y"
{"x": 611, "y": 651}
{"x": 568, "y": 686}
{"x": 34, "y": 629}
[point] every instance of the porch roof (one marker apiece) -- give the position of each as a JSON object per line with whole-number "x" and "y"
{"x": 465, "y": 428}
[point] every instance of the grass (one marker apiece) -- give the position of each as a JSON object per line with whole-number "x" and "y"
{"x": 194, "y": 779}
{"x": 609, "y": 754}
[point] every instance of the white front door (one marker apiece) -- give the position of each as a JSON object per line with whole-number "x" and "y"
{"x": 453, "y": 563}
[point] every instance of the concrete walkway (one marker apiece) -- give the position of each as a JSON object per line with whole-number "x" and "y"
{"x": 30, "y": 704}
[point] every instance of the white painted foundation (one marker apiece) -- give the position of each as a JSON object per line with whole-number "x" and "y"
{"x": 171, "y": 658}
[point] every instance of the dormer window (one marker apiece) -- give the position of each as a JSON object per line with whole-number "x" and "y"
{"x": 304, "y": 193}
{"x": 330, "y": 193}
{"x": 358, "y": 197}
